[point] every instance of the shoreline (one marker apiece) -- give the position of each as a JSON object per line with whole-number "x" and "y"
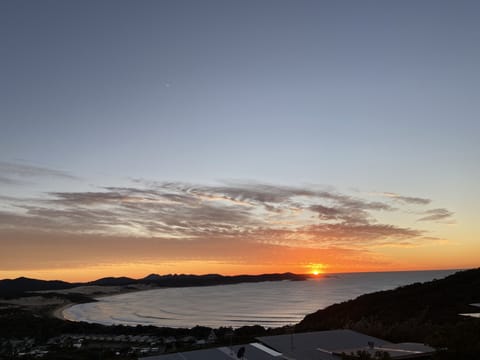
{"x": 92, "y": 290}
{"x": 172, "y": 303}
{"x": 97, "y": 292}
{"x": 58, "y": 312}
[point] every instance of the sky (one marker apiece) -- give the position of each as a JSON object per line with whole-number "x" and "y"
{"x": 238, "y": 137}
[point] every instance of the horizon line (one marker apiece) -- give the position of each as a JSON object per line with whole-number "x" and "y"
{"x": 320, "y": 275}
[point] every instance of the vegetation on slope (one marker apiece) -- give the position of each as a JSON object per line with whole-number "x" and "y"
{"x": 427, "y": 312}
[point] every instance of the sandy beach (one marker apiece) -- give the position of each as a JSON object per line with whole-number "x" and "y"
{"x": 94, "y": 291}
{"x": 58, "y": 312}
{"x": 55, "y": 306}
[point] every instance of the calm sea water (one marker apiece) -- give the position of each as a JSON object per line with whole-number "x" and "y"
{"x": 270, "y": 304}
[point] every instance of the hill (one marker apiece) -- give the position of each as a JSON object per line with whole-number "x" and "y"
{"x": 22, "y": 285}
{"x": 427, "y": 312}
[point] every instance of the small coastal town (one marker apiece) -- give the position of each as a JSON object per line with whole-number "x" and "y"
{"x": 120, "y": 346}
{"x": 321, "y": 345}
{"x": 325, "y": 345}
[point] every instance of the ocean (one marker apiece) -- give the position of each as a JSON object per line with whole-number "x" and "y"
{"x": 270, "y": 304}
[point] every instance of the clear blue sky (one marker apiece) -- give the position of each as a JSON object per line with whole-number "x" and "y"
{"x": 372, "y": 96}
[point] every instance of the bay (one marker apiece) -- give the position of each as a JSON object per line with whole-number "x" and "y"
{"x": 270, "y": 304}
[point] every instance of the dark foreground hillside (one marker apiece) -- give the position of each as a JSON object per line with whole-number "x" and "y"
{"x": 427, "y": 312}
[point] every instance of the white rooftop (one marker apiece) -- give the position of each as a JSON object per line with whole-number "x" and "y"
{"x": 318, "y": 345}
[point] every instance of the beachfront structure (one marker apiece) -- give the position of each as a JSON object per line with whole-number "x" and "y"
{"x": 319, "y": 345}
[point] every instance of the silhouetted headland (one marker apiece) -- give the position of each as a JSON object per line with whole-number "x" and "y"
{"x": 22, "y": 284}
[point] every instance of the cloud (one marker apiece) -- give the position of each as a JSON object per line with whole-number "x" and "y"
{"x": 89, "y": 198}
{"x": 436, "y": 215}
{"x": 347, "y": 209}
{"x": 348, "y": 236}
{"x": 15, "y": 174}
{"x": 328, "y": 213}
{"x": 233, "y": 212}
{"x": 246, "y": 224}
{"x": 255, "y": 192}
{"x": 363, "y": 233}
{"x": 407, "y": 199}
{"x": 9, "y": 181}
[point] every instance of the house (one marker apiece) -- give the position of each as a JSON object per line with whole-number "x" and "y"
{"x": 253, "y": 351}
{"x": 318, "y": 345}
{"x": 331, "y": 344}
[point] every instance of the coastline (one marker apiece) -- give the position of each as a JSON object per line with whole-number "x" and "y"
{"x": 94, "y": 291}
{"x": 58, "y": 312}
{"x": 210, "y": 309}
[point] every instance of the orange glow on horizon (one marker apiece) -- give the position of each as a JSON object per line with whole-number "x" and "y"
{"x": 316, "y": 269}
{"x": 94, "y": 273}
{"x": 316, "y": 263}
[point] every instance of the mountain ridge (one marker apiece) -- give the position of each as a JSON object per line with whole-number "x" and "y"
{"x": 23, "y": 284}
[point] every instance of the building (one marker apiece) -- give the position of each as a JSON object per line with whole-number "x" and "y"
{"x": 253, "y": 351}
{"x": 319, "y": 345}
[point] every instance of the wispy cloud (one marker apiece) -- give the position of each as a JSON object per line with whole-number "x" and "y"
{"x": 10, "y": 181}
{"x": 253, "y": 212}
{"x": 436, "y": 215}
{"x": 254, "y": 225}
{"x": 407, "y": 199}
{"x": 17, "y": 174}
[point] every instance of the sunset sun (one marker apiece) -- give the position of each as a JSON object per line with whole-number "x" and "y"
{"x": 316, "y": 269}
